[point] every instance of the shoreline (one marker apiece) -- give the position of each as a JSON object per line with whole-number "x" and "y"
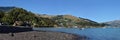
{"x": 78, "y": 36}
{"x": 40, "y": 35}
{"x": 23, "y": 33}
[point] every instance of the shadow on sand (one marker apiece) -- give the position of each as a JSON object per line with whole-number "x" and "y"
{"x": 13, "y": 29}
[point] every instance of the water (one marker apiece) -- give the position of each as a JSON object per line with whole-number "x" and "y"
{"x": 92, "y": 33}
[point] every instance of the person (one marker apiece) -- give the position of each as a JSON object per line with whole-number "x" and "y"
{"x": 0, "y": 23}
{"x": 12, "y": 34}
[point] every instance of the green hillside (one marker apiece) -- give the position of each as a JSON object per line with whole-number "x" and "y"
{"x": 21, "y": 17}
{"x": 72, "y": 21}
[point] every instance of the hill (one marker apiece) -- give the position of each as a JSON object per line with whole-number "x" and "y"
{"x": 72, "y": 21}
{"x": 5, "y": 9}
{"x": 115, "y": 23}
{"x": 20, "y": 17}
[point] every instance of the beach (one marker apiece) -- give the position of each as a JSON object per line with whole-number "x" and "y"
{"x": 39, "y": 35}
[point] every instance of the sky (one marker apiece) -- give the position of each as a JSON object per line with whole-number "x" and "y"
{"x": 96, "y": 10}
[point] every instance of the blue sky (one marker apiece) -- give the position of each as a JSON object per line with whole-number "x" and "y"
{"x": 96, "y": 10}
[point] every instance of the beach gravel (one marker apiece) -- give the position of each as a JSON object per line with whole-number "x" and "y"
{"x": 39, "y": 35}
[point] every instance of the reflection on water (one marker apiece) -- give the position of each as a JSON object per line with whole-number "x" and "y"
{"x": 92, "y": 33}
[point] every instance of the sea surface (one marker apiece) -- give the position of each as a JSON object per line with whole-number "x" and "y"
{"x": 91, "y": 33}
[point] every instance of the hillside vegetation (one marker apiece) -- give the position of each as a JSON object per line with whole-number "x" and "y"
{"x": 21, "y": 17}
{"x": 72, "y": 21}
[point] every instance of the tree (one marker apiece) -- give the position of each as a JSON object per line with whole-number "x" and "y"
{"x": 18, "y": 15}
{"x": 1, "y": 14}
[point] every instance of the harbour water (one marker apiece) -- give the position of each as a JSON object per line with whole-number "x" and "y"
{"x": 91, "y": 33}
